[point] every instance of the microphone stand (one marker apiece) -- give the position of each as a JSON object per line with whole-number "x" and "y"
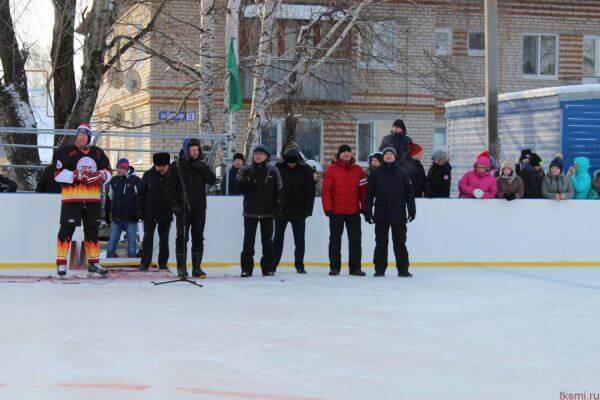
{"x": 185, "y": 230}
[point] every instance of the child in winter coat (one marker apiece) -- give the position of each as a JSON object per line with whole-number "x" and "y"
{"x": 580, "y": 178}
{"x": 555, "y": 185}
{"x": 510, "y": 186}
{"x": 478, "y": 183}
{"x": 594, "y": 193}
{"x": 439, "y": 175}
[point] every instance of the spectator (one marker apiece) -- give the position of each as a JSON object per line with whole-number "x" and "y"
{"x": 390, "y": 191}
{"x": 533, "y": 176}
{"x": 594, "y": 193}
{"x": 478, "y": 183}
{"x": 298, "y": 202}
{"x": 510, "y": 185}
{"x": 238, "y": 162}
{"x": 523, "y": 161}
{"x": 397, "y": 139}
{"x": 375, "y": 161}
{"x": 412, "y": 163}
{"x": 263, "y": 192}
{"x": 120, "y": 208}
{"x": 494, "y": 167}
{"x": 7, "y": 185}
{"x": 186, "y": 183}
{"x": 439, "y": 175}
{"x": 46, "y": 182}
{"x": 555, "y": 185}
{"x": 155, "y": 209}
{"x": 580, "y": 177}
{"x": 344, "y": 188}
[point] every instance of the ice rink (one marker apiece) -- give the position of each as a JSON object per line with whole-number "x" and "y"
{"x": 448, "y": 333}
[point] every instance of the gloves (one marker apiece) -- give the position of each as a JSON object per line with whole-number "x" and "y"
{"x": 79, "y": 176}
{"x": 478, "y": 193}
{"x": 412, "y": 216}
{"x": 329, "y": 214}
{"x": 510, "y": 196}
{"x": 95, "y": 178}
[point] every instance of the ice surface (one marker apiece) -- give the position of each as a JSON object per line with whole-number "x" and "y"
{"x": 449, "y": 333}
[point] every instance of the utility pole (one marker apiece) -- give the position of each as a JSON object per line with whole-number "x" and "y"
{"x": 491, "y": 76}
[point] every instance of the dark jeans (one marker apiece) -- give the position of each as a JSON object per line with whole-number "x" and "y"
{"x": 336, "y": 229}
{"x": 266, "y": 236}
{"x": 195, "y": 220}
{"x": 298, "y": 227}
{"x": 380, "y": 256}
{"x": 164, "y": 227}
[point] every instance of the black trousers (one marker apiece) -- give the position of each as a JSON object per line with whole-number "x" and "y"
{"x": 380, "y": 256}
{"x": 336, "y": 229}
{"x": 194, "y": 220}
{"x": 266, "y": 236}
{"x": 298, "y": 228}
{"x": 164, "y": 227}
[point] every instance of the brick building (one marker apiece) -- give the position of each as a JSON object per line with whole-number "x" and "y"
{"x": 432, "y": 52}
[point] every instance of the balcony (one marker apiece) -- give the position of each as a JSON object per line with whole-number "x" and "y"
{"x": 330, "y": 83}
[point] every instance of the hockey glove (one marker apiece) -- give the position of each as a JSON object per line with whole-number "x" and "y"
{"x": 95, "y": 178}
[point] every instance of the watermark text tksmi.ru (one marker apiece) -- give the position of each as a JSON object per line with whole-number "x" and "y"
{"x": 579, "y": 396}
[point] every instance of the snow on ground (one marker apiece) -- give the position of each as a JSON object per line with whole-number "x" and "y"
{"x": 449, "y": 333}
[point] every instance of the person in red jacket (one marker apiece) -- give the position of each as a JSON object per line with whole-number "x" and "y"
{"x": 344, "y": 190}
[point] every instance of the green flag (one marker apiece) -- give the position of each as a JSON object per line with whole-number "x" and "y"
{"x": 233, "y": 73}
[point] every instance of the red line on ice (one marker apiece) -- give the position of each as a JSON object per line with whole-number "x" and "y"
{"x": 243, "y": 395}
{"x": 88, "y": 385}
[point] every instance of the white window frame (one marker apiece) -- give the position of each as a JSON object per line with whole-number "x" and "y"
{"x": 440, "y": 126}
{"x": 539, "y": 55}
{"x": 280, "y": 122}
{"x": 448, "y": 32}
{"x": 596, "y": 77}
{"x": 377, "y": 64}
{"x": 373, "y": 145}
{"x": 475, "y": 52}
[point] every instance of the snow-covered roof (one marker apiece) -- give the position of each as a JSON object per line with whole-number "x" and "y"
{"x": 292, "y": 11}
{"x": 531, "y": 94}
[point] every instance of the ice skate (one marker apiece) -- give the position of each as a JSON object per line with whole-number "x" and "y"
{"x": 94, "y": 268}
{"x": 61, "y": 270}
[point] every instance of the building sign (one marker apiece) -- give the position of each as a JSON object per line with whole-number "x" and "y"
{"x": 177, "y": 117}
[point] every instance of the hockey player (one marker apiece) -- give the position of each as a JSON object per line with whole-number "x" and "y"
{"x": 81, "y": 169}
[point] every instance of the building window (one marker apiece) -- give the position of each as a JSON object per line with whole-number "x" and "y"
{"x": 540, "y": 56}
{"x": 308, "y": 136}
{"x": 591, "y": 66}
{"x": 439, "y": 138}
{"x": 365, "y": 141}
{"x": 476, "y": 43}
{"x": 377, "y": 43}
{"x": 443, "y": 41}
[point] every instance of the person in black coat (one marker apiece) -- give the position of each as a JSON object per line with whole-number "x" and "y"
{"x": 439, "y": 175}
{"x": 523, "y": 161}
{"x": 154, "y": 208}
{"x": 412, "y": 163}
{"x": 186, "y": 185}
{"x": 397, "y": 139}
{"x": 390, "y": 191}
{"x": 298, "y": 202}
{"x": 46, "y": 183}
{"x": 120, "y": 208}
{"x": 263, "y": 197}
{"x": 7, "y": 185}
{"x": 533, "y": 176}
{"x": 237, "y": 163}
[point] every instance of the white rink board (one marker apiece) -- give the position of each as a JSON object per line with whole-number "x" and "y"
{"x": 446, "y": 230}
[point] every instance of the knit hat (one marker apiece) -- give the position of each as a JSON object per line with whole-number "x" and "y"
{"x": 87, "y": 129}
{"x": 378, "y": 155}
{"x": 123, "y": 163}
{"x": 389, "y": 149}
{"x": 557, "y": 161}
{"x": 526, "y": 153}
{"x": 262, "y": 149}
{"x": 439, "y": 155}
{"x": 414, "y": 149}
{"x": 485, "y": 154}
{"x": 483, "y": 161}
{"x": 161, "y": 158}
{"x": 291, "y": 156}
{"x": 239, "y": 156}
{"x": 507, "y": 164}
{"x": 535, "y": 160}
{"x": 400, "y": 124}
{"x": 343, "y": 149}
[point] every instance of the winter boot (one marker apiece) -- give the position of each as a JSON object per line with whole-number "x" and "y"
{"x": 196, "y": 270}
{"x": 334, "y": 272}
{"x": 181, "y": 266}
{"x": 358, "y": 272}
{"x": 164, "y": 268}
{"x": 405, "y": 274}
{"x": 143, "y": 268}
{"x": 94, "y": 268}
{"x": 300, "y": 270}
{"x": 268, "y": 273}
{"x": 246, "y": 274}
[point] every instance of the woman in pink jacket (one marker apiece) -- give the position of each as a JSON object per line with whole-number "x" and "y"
{"x": 479, "y": 183}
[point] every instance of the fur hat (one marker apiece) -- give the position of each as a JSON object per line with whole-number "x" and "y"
{"x": 161, "y": 158}
{"x": 525, "y": 153}
{"x": 535, "y": 160}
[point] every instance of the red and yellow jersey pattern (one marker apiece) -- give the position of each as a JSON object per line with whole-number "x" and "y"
{"x": 73, "y": 161}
